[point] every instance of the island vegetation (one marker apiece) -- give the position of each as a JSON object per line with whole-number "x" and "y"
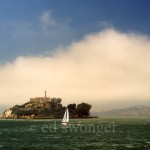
{"x": 50, "y": 109}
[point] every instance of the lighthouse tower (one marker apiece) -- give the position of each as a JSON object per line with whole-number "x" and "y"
{"x": 45, "y": 94}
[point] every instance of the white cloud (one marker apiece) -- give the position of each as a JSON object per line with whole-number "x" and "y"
{"x": 52, "y": 26}
{"x": 47, "y": 19}
{"x": 104, "y": 24}
{"x": 106, "y": 69}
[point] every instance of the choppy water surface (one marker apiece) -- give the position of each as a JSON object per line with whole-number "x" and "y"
{"x": 108, "y": 133}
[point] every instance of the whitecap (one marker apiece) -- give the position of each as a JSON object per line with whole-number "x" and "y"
{"x": 148, "y": 142}
{"x": 114, "y": 145}
{"x": 56, "y": 137}
{"x": 129, "y": 146}
{"x": 14, "y": 139}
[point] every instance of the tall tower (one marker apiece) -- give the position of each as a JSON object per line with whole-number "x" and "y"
{"x": 45, "y": 95}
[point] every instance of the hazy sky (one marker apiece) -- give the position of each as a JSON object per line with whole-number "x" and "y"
{"x": 95, "y": 51}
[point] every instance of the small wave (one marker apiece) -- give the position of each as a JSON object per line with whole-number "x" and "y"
{"x": 115, "y": 145}
{"x": 47, "y": 137}
{"x": 56, "y": 137}
{"x": 14, "y": 139}
{"x": 148, "y": 142}
{"x": 129, "y": 146}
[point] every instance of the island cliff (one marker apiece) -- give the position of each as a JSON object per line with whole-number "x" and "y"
{"x": 46, "y": 108}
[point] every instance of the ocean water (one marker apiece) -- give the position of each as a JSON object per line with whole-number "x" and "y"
{"x": 106, "y": 133}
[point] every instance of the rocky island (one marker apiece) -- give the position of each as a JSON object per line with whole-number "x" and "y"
{"x": 46, "y": 107}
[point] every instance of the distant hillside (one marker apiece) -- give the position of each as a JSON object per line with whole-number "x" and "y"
{"x": 139, "y": 110}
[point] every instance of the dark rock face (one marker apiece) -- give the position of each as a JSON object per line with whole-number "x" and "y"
{"x": 47, "y": 109}
{"x": 51, "y": 109}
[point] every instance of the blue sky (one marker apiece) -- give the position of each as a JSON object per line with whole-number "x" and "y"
{"x": 25, "y": 32}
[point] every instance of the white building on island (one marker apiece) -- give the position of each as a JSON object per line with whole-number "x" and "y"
{"x": 40, "y": 99}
